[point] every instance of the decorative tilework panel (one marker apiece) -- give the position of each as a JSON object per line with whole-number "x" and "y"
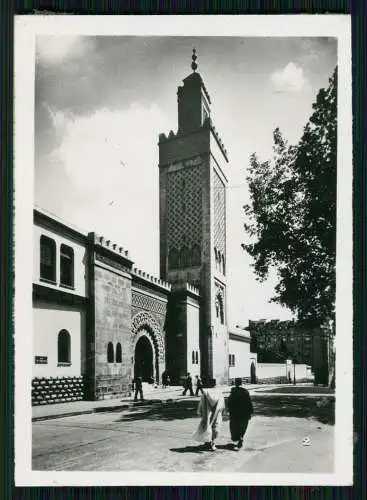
{"x": 148, "y": 303}
{"x": 219, "y": 214}
{"x": 184, "y": 207}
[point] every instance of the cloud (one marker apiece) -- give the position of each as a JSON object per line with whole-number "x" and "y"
{"x": 290, "y": 79}
{"x": 53, "y": 50}
{"x": 110, "y": 161}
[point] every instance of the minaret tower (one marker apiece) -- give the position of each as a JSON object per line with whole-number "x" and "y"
{"x": 193, "y": 180}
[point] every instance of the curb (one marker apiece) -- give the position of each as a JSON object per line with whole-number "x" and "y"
{"x": 101, "y": 409}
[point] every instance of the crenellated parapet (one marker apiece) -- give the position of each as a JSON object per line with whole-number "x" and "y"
{"x": 186, "y": 288}
{"x": 192, "y": 289}
{"x": 208, "y": 123}
{"x": 151, "y": 279}
{"x": 101, "y": 241}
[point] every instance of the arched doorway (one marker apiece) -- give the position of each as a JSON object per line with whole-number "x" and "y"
{"x": 143, "y": 365}
{"x": 253, "y": 373}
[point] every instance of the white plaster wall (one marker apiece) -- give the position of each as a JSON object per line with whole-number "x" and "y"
{"x": 269, "y": 370}
{"x": 80, "y": 261}
{"x": 241, "y": 351}
{"x": 303, "y": 371}
{"x": 192, "y": 338}
{"x": 48, "y": 320}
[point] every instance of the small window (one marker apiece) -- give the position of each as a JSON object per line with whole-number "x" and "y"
{"x": 63, "y": 347}
{"x": 118, "y": 353}
{"x": 219, "y": 308}
{"x": 218, "y": 264}
{"x": 231, "y": 360}
{"x": 197, "y": 357}
{"x": 47, "y": 259}
{"x": 223, "y": 265}
{"x": 66, "y": 266}
{"x": 173, "y": 259}
{"x": 110, "y": 353}
{"x": 185, "y": 257}
{"x": 193, "y": 357}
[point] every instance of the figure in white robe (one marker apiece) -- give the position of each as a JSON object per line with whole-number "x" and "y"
{"x": 210, "y": 409}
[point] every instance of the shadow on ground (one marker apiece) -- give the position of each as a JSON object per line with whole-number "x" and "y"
{"x": 202, "y": 448}
{"x": 301, "y": 390}
{"x": 321, "y": 409}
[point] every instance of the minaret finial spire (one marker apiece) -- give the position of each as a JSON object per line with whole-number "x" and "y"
{"x": 194, "y": 57}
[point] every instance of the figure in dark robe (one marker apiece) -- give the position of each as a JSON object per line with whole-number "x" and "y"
{"x": 240, "y": 410}
{"x": 138, "y": 385}
{"x": 188, "y": 385}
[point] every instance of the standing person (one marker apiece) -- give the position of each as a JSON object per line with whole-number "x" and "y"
{"x": 164, "y": 379}
{"x": 210, "y": 409}
{"x": 240, "y": 410}
{"x": 138, "y": 384}
{"x": 188, "y": 385}
{"x": 199, "y": 386}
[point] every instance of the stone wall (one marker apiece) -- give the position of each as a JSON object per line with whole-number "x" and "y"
{"x": 112, "y": 325}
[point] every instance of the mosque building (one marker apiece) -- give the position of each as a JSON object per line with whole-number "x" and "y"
{"x": 98, "y": 321}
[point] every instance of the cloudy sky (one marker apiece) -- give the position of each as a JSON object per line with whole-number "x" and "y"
{"x": 101, "y": 102}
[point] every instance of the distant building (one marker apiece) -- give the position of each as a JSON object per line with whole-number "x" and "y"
{"x": 276, "y": 341}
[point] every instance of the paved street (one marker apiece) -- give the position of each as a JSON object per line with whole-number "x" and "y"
{"x": 158, "y": 437}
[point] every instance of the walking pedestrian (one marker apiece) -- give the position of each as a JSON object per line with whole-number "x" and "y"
{"x": 199, "y": 385}
{"x": 240, "y": 410}
{"x": 138, "y": 384}
{"x": 210, "y": 409}
{"x": 188, "y": 385}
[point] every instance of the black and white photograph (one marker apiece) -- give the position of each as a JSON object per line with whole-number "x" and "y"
{"x": 183, "y": 311}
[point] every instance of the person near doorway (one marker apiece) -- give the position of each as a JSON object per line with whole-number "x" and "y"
{"x": 165, "y": 379}
{"x": 188, "y": 385}
{"x": 199, "y": 385}
{"x": 240, "y": 410}
{"x": 138, "y": 385}
{"x": 210, "y": 409}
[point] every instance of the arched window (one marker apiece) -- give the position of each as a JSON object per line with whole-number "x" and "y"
{"x": 110, "y": 354}
{"x": 63, "y": 347}
{"x": 173, "y": 259}
{"x": 196, "y": 255}
{"x": 219, "y": 256}
{"x": 184, "y": 257}
{"x": 196, "y": 357}
{"x": 47, "y": 259}
{"x": 66, "y": 266}
{"x": 118, "y": 353}
{"x": 219, "y": 308}
{"x": 193, "y": 357}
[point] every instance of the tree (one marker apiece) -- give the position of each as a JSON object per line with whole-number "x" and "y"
{"x": 291, "y": 217}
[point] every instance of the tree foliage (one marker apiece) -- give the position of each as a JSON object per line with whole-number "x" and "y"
{"x": 291, "y": 217}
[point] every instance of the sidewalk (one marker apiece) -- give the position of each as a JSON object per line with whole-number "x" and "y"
{"x": 58, "y": 410}
{"x": 152, "y": 396}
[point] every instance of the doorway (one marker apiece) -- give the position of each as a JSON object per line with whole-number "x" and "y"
{"x": 143, "y": 365}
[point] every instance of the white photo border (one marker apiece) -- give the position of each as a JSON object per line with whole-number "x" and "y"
{"x": 26, "y": 29}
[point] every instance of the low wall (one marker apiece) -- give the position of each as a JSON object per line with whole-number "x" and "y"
{"x": 57, "y": 390}
{"x": 279, "y": 373}
{"x": 271, "y": 370}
